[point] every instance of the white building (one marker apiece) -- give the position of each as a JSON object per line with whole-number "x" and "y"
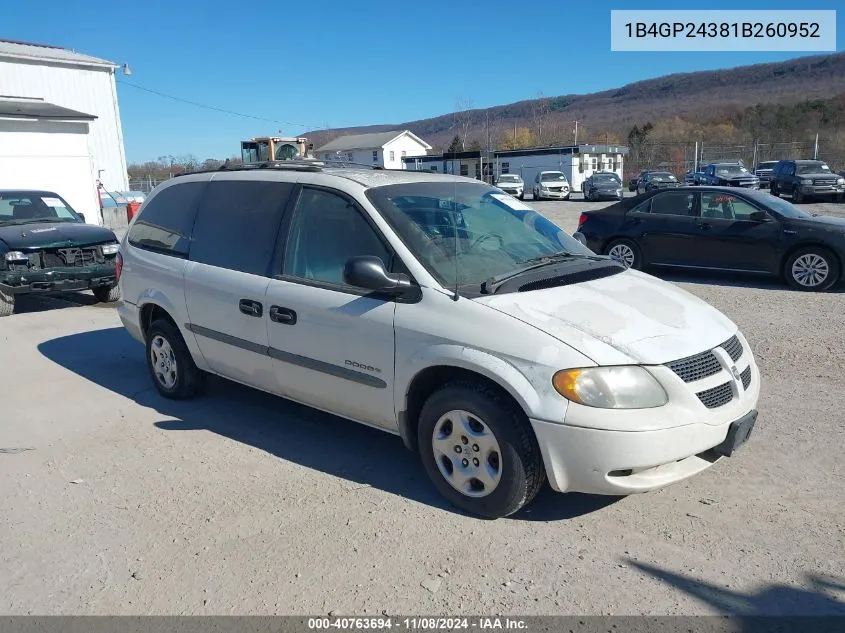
{"x": 60, "y": 124}
{"x": 576, "y": 162}
{"x": 385, "y": 149}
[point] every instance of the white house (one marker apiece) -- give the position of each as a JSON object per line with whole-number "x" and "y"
{"x": 577, "y": 162}
{"x": 385, "y": 149}
{"x": 60, "y": 124}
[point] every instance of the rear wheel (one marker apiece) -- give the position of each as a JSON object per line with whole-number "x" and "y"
{"x": 170, "y": 363}
{"x": 7, "y": 304}
{"x": 106, "y": 294}
{"x": 625, "y": 252}
{"x": 479, "y": 450}
{"x": 813, "y": 269}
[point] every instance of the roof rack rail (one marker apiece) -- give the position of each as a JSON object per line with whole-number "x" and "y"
{"x": 293, "y": 164}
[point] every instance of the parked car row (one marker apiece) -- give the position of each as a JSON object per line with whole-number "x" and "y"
{"x": 800, "y": 179}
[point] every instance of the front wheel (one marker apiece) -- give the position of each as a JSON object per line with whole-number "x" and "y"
{"x": 812, "y": 269}
{"x": 522, "y": 196}
{"x": 106, "y": 294}
{"x": 625, "y": 252}
{"x": 797, "y": 196}
{"x": 479, "y": 450}
{"x": 170, "y": 362}
{"x": 773, "y": 189}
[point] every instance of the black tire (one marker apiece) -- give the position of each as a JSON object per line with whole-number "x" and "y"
{"x": 833, "y": 268}
{"x": 797, "y": 196}
{"x": 106, "y": 294}
{"x": 189, "y": 379}
{"x": 522, "y": 196}
{"x": 7, "y": 305}
{"x": 566, "y": 197}
{"x": 773, "y": 189}
{"x": 637, "y": 262}
{"x": 537, "y": 196}
{"x": 521, "y": 475}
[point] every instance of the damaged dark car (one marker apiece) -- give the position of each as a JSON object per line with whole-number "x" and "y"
{"x": 47, "y": 248}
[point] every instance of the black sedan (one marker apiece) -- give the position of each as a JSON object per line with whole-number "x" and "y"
{"x": 720, "y": 229}
{"x": 602, "y": 186}
{"x": 654, "y": 180}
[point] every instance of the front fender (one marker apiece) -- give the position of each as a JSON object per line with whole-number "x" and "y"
{"x": 528, "y": 382}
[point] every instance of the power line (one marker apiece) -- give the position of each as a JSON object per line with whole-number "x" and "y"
{"x": 216, "y": 109}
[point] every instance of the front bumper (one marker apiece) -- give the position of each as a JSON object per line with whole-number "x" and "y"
{"x": 597, "y": 461}
{"x": 607, "y": 195}
{"x": 627, "y": 451}
{"x": 822, "y": 190}
{"x": 56, "y": 280}
{"x": 544, "y": 193}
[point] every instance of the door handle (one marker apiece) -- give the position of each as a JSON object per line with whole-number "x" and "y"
{"x": 250, "y": 307}
{"x": 282, "y": 315}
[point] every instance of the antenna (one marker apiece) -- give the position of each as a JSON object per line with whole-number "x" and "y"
{"x": 455, "y": 227}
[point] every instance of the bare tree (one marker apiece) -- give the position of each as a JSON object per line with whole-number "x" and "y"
{"x": 539, "y": 116}
{"x": 463, "y": 119}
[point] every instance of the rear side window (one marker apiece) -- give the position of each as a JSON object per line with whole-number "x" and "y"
{"x": 165, "y": 223}
{"x": 237, "y": 224}
{"x": 672, "y": 203}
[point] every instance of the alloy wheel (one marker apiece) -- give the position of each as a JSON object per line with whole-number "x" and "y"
{"x": 810, "y": 270}
{"x": 467, "y": 453}
{"x": 623, "y": 254}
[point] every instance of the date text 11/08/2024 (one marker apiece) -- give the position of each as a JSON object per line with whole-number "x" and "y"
{"x": 416, "y": 623}
{"x": 723, "y": 29}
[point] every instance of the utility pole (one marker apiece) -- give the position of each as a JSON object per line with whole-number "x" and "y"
{"x": 816, "y": 150}
{"x": 576, "y": 133}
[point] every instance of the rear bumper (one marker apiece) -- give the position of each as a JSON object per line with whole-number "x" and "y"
{"x": 606, "y": 462}
{"x": 56, "y": 280}
{"x": 130, "y": 316}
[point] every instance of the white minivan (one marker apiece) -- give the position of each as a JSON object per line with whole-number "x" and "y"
{"x": 442, "y": 310}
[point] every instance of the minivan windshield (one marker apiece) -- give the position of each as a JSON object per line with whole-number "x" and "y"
{"x": 465, "y": 233}
{"x": 552, "y": 175}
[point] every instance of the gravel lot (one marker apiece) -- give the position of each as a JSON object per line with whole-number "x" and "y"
{"x": 116, "y": 501}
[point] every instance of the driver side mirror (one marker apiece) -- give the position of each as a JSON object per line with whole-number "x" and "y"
{"x": 368, "y": 272}
{"x": 82, "y": 216}
{"x": 760, "y": 216}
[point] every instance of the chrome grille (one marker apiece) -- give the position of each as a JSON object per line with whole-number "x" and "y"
{"x": 696, "y": 367}
{"x": 746, "y": 377}
{"x": 733, "y": 347}
{"x": 716, "y": 396}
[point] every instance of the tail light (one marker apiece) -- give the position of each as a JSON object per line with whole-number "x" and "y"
{"x": 118, "y": 266}
{"x": 582, "y": 218}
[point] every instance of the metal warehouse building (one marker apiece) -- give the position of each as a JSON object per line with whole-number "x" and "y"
{"x": 60, "y": 124}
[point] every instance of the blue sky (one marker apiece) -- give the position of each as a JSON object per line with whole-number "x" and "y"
{"x": 339, "y": 63}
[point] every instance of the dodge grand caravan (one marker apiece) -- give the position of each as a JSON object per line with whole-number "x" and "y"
{"x": 442, "y": 310}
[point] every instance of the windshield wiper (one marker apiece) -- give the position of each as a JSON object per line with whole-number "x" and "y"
{"x": 492, "y": 284}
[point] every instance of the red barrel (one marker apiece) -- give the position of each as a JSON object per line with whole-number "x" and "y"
{"x": 131, "y": 210}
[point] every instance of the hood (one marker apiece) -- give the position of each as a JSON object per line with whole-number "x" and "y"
{"x": 626, "y": 318}
{"x": 828, "y": 220}
{"x": 819, "y": 174}
{"x": 48, "y": 234}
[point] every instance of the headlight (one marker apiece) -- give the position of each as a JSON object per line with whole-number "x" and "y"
{"x": 110, "y": 249}
{"x": 806, "y": 181}
{"x": 16, "y": 256}
{"x": 630, "y": 387}
{"x": 543, "y": 187}
{"x": 840, "y": 181}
